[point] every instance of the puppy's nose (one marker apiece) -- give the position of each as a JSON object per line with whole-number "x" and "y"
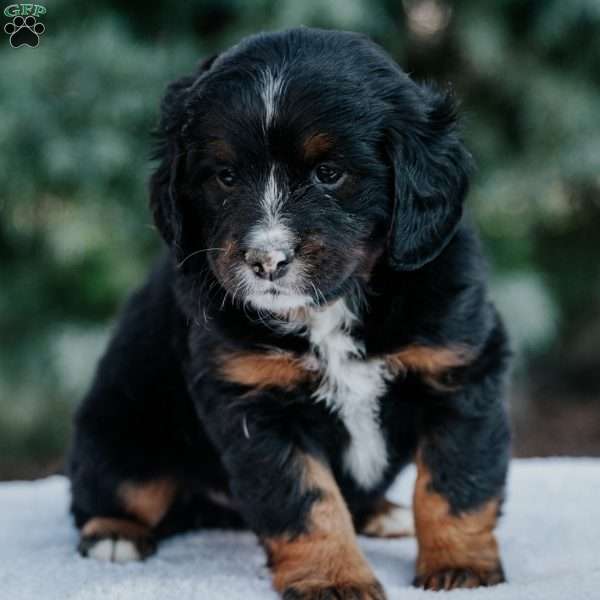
{"x": 269, "y": 264}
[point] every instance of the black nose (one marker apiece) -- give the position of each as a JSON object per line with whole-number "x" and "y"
{"x": 269, "y": 264}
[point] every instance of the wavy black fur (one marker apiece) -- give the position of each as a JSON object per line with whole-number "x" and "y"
{"x": 157, "y": 406}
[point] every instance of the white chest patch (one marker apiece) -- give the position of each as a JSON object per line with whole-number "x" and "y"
{"x": 351, "y": 386}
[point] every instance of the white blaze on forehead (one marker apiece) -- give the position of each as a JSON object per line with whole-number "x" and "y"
{"x": 265, "y": 237}
{"x": 272, "y": 199}
{"x": 271, "y": 233}
{"x": 271, "y": 89}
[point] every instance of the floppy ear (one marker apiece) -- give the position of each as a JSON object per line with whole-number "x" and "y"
{"x": 431, "y": 171}
{"x": 165, "y": 194}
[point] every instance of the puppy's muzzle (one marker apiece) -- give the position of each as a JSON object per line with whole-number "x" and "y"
{"x": 269, "y": 264}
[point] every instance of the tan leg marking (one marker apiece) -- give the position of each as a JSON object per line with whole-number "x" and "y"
{"x": 107, "y": 527}
{"x": 432, "y": 362}
{"x": 389, "y": 520}
{"x": 454, "y": 550}
{"x": 327, "y": 557}
{"x": 263, "y": 370}
{"x": 149, "y": 501}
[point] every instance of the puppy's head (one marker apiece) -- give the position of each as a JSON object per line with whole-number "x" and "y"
{"x": 296, "y": 160}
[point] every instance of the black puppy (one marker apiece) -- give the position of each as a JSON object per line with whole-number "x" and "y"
{"x": 319, "y": 321}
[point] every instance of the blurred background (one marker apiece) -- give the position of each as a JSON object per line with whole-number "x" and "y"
{"x": 76, "y": 237}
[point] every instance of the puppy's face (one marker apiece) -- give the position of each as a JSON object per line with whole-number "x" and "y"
{"x": 293, "y": 199}
{"x": 282, "y": 166}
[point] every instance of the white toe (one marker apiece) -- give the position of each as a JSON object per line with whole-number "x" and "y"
{"x": 125, "y": 551}
{"x": 396, "y": 522}
{"x": 399, "y": 521}
{"x": 120, "y": 550}
{"x": 101, "y": 550}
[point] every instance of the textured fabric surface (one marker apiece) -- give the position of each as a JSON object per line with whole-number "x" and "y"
{"x": 550, "y": 540}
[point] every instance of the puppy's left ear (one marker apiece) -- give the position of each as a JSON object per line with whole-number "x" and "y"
{"x": 165, "y": 194}
{"x": 431, "y": 171}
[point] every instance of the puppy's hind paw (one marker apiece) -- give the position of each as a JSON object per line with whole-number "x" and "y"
{"x": 389, "y": 520}
{"x": 116, "y": 540}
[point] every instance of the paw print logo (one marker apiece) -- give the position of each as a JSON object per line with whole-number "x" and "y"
{"x": 24, "y": 31}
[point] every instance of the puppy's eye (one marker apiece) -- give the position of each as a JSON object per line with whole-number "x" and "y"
{"x": 226, "y": 177}
{"x": 328, "y": 174}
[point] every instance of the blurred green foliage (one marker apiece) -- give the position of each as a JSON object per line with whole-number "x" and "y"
{"x": 76, "y": 115}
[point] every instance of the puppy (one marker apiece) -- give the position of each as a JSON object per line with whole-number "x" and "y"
{"x": 319, "y": 321}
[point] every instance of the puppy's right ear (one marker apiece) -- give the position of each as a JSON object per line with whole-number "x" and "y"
{"x": 165, "y": 201}
{"x": 431, "y": 173}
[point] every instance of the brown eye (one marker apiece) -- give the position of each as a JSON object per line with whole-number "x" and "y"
{"x": 227, "y": 177}
{"x": 328, "y": 174}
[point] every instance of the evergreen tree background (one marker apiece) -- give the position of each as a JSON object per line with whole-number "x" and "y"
{"x": 76, "y": 236}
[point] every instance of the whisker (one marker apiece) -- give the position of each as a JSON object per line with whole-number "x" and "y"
{"x": 319, "y": 298}
{"x": 179, "y": 265}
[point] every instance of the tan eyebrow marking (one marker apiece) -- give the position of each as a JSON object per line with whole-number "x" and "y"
{"x": 222, "y": 150}
{"x": 317, "y": 145}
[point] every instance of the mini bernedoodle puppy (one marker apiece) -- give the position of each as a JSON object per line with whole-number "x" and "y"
{"x": 320, "y": 321}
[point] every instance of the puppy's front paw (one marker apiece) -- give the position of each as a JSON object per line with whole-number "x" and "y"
{"x": 367, "y": 591}
{"x": 450, "y": 579}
